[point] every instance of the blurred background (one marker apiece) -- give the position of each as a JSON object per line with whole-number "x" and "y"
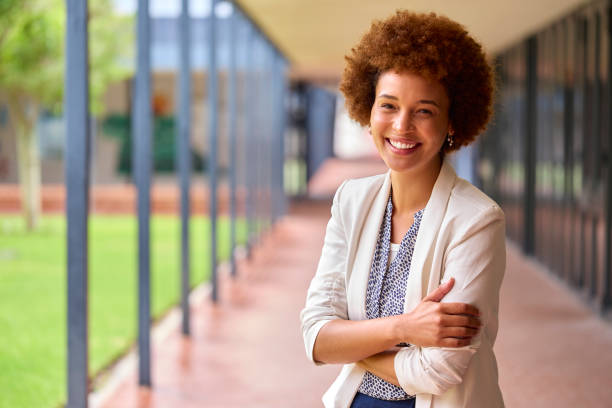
{"x": 208, "y": 141}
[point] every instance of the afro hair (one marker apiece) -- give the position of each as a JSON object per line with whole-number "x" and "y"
{"x": 429, "y": 45}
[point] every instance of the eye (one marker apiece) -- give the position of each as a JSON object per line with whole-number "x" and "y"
{"x": 387, "y": 105}
{"x": 425, "y": 111}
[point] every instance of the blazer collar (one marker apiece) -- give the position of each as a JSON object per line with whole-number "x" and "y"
{"x": 422, "y": 278}
{"x": 419, "y": 278}
{"x": 366, "y": 246}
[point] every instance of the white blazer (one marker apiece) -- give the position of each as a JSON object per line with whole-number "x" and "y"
{"x": 462, "y": 235}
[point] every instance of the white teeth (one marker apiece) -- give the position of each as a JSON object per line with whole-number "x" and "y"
{"x": 400, "y": 145}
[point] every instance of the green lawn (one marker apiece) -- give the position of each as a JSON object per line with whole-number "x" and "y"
{"x": 33, "y": 295}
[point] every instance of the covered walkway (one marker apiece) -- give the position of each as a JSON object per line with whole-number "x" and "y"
{"x": 247, "y": 351}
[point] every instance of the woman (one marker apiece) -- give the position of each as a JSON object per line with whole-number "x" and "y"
{"x": 423, "y": 87}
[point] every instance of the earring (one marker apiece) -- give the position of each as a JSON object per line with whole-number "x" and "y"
{"x": 449, "y": 139}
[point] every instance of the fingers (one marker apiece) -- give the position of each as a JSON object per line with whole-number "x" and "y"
{"x": 460, "y": 321}
{"x": 460, "y": 332}
{"x": 440, "y": 292}
{"x": 459, "y": 309}
{"x": 457, "y": 336}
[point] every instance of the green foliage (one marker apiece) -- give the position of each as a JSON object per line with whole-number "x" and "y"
{"x": 33, "y": 295}
{"x": 31, "y": 49}
{"x": 32, "y": 36}
{"x": 164, "y": 146}
{"x": 111, "y": 49}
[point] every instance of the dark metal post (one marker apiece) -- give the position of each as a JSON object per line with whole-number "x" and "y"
{"x": 254, "y": 137}
{"x": 259, "y": 135}
{"x": 77, "y": 188}
{"x": 264, "y": 132}
{"x": 232, "y": 126}
{"x": 568, "y": 143}
{"x": 212, "y": 153}
{"x": 282, "y": 105}
{"x": 280, "y": 134}
{"x": 183, "y": 158}
{"x": 530, "y": 143}
{"x": 142, "y": 132}
{"x": 595, "y": 154}
{"x": 274, "y": 148}
{"x": 271, "y": 116}
{"x": 250, "y": 135}
{"x": 607, "y": 290}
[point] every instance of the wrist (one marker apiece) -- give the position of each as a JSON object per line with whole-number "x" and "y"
{"x": 399, "y": 332}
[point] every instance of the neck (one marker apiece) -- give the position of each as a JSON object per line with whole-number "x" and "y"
{"x": 412, "y": 189}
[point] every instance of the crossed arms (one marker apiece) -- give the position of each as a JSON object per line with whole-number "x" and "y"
{"x": 444, "y": 330}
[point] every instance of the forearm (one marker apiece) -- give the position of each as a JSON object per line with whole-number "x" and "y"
{"x": 382, "y": 365}
{"x": 348, "y": 341}
{"x": 431, "y": 370}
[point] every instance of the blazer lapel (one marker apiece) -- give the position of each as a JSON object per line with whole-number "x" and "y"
{"x": 372, "y": 216}
{"x": 421, "y": 276}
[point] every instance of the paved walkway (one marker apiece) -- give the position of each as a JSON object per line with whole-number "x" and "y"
{"x": 121, "y": 198}
{"x": 247, "y": 350}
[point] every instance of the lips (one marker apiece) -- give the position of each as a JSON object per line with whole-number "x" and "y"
{"x": 402, "y": 146}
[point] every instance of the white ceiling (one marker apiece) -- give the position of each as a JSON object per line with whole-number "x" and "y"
{"x": 316, "y": 34}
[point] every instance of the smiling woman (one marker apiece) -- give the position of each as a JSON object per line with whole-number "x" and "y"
{"x": 407, "y": 288}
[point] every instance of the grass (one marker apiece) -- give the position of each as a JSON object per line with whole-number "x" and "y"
{"x": 33, "y": 295}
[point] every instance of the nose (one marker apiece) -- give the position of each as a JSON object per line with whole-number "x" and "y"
{"x": 402, "y": 122}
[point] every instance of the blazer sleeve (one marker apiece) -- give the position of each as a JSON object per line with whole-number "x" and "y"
{"x": 477, "y": 261}
{"x": 326, "y": 298}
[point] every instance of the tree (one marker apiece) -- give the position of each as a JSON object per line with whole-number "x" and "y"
{"x": 32, "y": 39}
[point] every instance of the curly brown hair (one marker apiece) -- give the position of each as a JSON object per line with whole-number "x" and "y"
{"x": 429, "y": 45}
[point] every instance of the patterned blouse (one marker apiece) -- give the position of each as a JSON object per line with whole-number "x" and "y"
{"x": 386, "y": 293}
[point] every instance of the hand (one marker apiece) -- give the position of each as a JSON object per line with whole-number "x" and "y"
{"x": 435, "y": 324}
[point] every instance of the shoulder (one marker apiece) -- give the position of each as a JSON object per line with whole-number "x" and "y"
{"x": 355, "y": 197}
{"x": 475, "y": 223}
{"x": 359, "y": 189}
{"x": 469, "y": 203}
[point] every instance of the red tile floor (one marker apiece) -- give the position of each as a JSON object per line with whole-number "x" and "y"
{"x": 247, "y": 351}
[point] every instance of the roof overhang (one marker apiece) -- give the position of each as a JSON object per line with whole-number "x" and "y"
{"x": 316, "y": 34}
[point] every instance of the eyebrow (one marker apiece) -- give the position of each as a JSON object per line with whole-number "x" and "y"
{"x": 426, "y": 101}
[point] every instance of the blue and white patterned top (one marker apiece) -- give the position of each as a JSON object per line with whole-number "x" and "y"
{"x": 386, "y": 293}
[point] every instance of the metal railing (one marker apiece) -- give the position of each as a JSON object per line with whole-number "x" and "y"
{"x": 256, "y": 89}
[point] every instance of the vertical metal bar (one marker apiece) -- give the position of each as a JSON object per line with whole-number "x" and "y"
{"x": 183, "y": 158}
{"x": 568, "y": 134}
{"x": 272, "y": 132}
{"x": 595, "y": 153}
{"x": 256, "y": 137}
{"x": 232, "y": 126}
{"x": 261, "y": 138}
{"x": 530, "y": 143}
{"x": 283, "y": 125}
{"x": 272, "y": 128}
{"x": 276, "y": 135}
{"x": 607, "y": 289}
{"x": 212, "y": 137}
{"x": 242, "y": 139}
{"x": 142, "y": 132}
{"x": 77, "y": 188}
{"x": 259, "y": 183}
{"x": 584, "y": 145}
{"x": 250, "y": 137}
{"x": 263, "y": 157}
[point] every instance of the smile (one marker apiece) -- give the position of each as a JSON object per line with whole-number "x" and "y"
{"x": 401, "y": 145}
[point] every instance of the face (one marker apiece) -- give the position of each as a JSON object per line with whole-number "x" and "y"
{"x": 409, "y": 121}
